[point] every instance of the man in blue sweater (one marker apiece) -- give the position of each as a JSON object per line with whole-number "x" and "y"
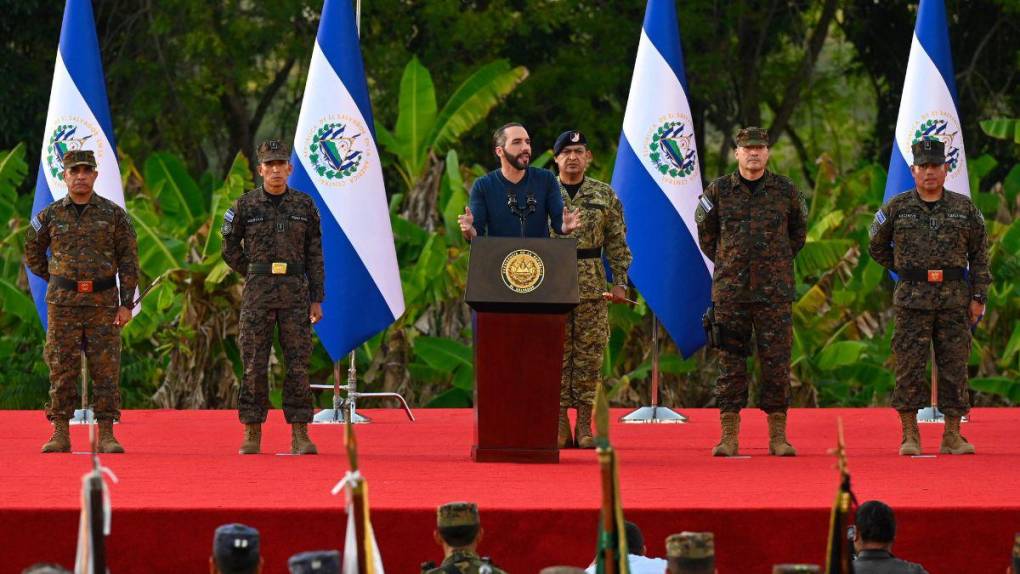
{"x": 502, "y": 197}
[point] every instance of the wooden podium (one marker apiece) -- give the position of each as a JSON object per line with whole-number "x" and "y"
{"x": 521, "y": 290}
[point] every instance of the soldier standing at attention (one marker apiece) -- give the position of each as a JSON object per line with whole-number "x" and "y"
{"x": 92, "y": 242}
{"x": 458, "y": 531}
{"x": 751, "y": 224}
{"x": 272, "y": 236}
{"x": 935, "y": 241}
{"x": 602, "y": 230}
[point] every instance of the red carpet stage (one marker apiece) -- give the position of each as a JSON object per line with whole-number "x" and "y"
{"x": 181, "y": 478}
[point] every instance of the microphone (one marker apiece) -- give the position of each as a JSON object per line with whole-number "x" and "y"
{"x": 532, "y": 203}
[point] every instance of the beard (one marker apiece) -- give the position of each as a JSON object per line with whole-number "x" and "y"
{"x": 519, "y": 161}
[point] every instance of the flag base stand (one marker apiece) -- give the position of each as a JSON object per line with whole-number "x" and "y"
{"x": 653, "y": 415}
{"x": 338, "y": 414}
{"x": 82, "y": 417}
{"x": 933, "y": 415}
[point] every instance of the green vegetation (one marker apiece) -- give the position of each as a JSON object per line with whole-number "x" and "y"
{"x": 193, "y": 86}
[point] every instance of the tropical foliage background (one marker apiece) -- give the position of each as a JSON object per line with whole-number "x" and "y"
{"x": 194, "y": 85}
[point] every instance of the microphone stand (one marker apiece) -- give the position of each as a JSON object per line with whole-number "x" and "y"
{"x": 515, "y": 208}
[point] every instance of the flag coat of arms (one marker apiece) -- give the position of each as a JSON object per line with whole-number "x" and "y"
{"x": 78, "y": 118}
{"x": 928, "y": 107}
{"x": 336, "y": 162}
{"x": 658, "y": 179}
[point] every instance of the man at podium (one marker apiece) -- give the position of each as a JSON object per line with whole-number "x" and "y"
{"x": 516, "y": 200}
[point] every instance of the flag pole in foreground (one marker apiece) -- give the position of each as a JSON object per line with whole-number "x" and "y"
{"x": 337, "y": 163}
{"x": 611, "y": 553}
{"x": 837, "y": 555}
{"x": 361, "y": 552}
{"x": 658, "y": 179}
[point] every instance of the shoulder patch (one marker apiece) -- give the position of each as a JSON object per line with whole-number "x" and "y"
{"x": 880, "y": 217}
{"x": 705, "y": 203}
{"x": 229, "y": 215}
{"x": 36, "y": 224}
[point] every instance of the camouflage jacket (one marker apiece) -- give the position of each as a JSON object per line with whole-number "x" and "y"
{"x": 256, "y": 231}
{"x": 98, "y": 244}
{"x": 464, "y": 562}
{"x": 752, "y": 238}
{"x": 908, "y": 234}
{"x": 602, "y": 226}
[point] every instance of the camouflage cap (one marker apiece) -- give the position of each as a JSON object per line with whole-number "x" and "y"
{"x": 569, "y": 137}
{"x": 457, "y": 514}
{"x": 236, "y": 547}
{"x": 690, "y": 545}
{"x": 315, "y": 562}
{"x": 273, "y": 150}
{"x": 929, "y": 151}
{"x": 752, "y": 136}
{"x": 79, "y": 157}
{"x": 795, "y": 568}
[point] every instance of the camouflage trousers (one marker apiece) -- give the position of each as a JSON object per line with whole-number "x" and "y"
{"x": 67, "y": 328}
{"x": 256, "y": 339}
{"x": 772, "y": 324}
{"x": 916, "y": 330}
{"x": 584, "y": 345}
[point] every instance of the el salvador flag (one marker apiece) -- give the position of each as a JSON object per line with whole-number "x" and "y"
{"x": 658, "y": 180}
{"x": 78, "y": 118}
{"x": 928, "y": 107}
{"x": 336, "y": 162}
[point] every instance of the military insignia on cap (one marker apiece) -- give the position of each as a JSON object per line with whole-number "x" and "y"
{"x": 576, "y": 137}
{"x": 522, "y": 271}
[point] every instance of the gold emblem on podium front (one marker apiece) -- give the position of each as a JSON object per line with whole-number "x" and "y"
{"x": 522, "y": 271}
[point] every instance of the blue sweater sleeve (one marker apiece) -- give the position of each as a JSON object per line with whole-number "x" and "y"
{"x": 478, "y": 208}
{"x": 554, "y": 202}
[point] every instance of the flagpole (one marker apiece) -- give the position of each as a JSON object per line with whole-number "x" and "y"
{"x": 654, "y": 413}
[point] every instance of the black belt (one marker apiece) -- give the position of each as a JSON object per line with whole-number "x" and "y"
{"x": 933, "y": 275}
{"x": 276, "y": 268}
{"x": 91, "y": 286}
{"x": 592, "y": 253}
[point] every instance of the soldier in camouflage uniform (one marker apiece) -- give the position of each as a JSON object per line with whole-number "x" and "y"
{"x": 935, "y": 240}
{"x": 601, "y": 231}
{"x": 690, "y": 553}
{"x": 92, "y": 242}
{"x": 751, "y": 224}
{"x": 272, "y": 237}
{"x": 458, "y": 531}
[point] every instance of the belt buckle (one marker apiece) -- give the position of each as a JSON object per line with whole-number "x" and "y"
{"x": 934, "y": 276}
{"x": 279, "y": 268}
{"x": 84, "y": 287}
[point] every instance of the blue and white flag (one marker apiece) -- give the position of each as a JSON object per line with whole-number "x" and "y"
{"x": 336, "y": 162}
{"x": 928, "y": 106}
{"x": 78, "y": 118}
{"x": 658, "y": 180}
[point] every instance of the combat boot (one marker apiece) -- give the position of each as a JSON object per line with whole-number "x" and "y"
{"x": 61, "y": 439}
{"x": 252, "y": 439}
{"x": 564, "y": 439}
{"x": 952, "y": 441}
{"x": 729, "y": 443}
{"x": 107, "y": 442}
{"x": 778, "y": 445}
{"x": 582, "y": 428}
{"x": 911, "y": 445}
{"x": 299, "y": 441}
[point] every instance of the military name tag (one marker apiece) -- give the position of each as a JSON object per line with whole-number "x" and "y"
{"x": 934, "y": 276}
{"x": 279, "y": 268}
